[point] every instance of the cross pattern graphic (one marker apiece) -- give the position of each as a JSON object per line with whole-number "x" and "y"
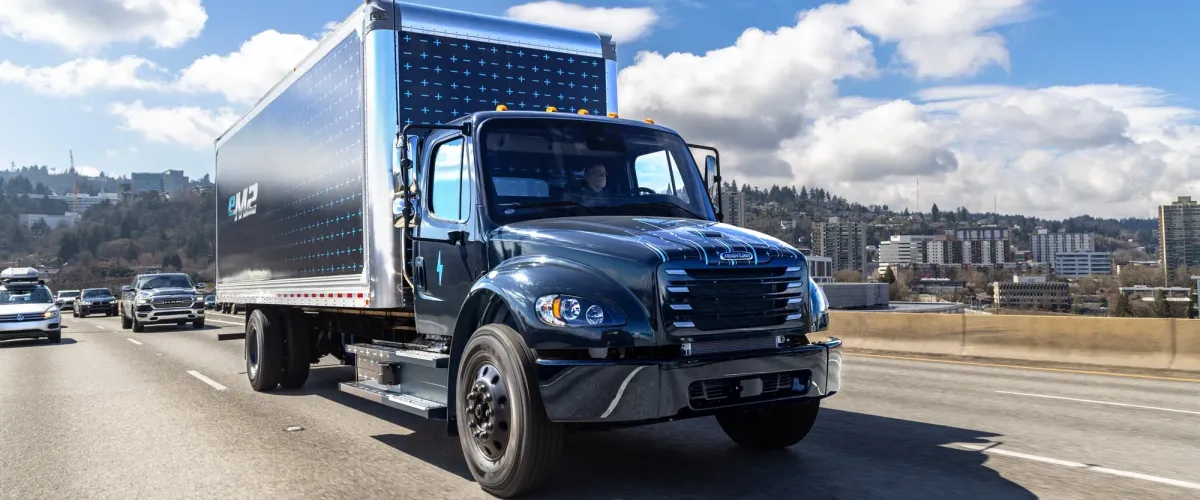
{"x": 444, "y": 78}
{"x": 306, "y": 152}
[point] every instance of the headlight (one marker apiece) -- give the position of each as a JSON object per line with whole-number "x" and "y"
{"x": 84, "y": 303}
{"x": 820, "y": 307}
{"x": 50, "y": 314}
{"x": 568, "y": 310}
{"x": 143, "y": 300}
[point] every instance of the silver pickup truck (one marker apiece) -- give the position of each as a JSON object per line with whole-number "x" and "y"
{"x": 155, "y": 299}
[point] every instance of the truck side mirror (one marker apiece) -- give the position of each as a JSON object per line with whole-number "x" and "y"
{"x": 710, "y": 169}
{"x": 126, "y": 288}
{"x": 201, "y": 285}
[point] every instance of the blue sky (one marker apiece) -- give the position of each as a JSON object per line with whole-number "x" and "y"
{"x": 1058, "y": 98}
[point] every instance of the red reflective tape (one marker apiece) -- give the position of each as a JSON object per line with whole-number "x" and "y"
{"x": 360, "y": 295}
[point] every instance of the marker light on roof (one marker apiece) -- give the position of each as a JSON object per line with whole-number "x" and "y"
{"x": 612, "y": 115}
{"x": 650, "y": 121}
{"x": 583, "y": 111}
{"x": 551, "y": 109}
{"x": 501, "y": 108}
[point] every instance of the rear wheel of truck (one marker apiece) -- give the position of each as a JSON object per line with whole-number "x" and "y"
{"x": 509, "y": 444}
{"x": 264, "y": 350}
{"x": 770, "y": 428}
{"x": 297, "y": 351}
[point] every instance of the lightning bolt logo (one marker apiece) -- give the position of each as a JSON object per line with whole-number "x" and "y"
{"x": 439, "y": 268}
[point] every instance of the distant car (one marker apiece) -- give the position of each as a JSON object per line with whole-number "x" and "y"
{"x": 66, "y": 298}
{"x": 95, "y": 301}
{"x": 161, "y": 298}
{"x": 210, "y": 302}
{"x": 27, "y": 308}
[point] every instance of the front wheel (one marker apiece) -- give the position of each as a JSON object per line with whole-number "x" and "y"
{"x": 126, "y": 323}
{"x": 770, "y": 428}
{"x": 509, "y": 444}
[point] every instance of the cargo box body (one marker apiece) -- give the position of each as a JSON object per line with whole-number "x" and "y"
{"x": 304, "y": 179}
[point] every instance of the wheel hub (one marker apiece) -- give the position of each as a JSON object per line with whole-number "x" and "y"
{"x": 488, "y": 412}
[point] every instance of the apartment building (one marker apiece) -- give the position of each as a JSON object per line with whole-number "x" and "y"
{"x": 904, "y": 249}
{"x": 1080, "y": 264}
{"x": 844, "y": 242}
{"x": 1045, "y": 245}
{"x": 1032, "y": 292}
{"x": 1179, "y": 234}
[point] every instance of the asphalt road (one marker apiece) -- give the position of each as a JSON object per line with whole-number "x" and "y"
{"x": 168, "y": 413}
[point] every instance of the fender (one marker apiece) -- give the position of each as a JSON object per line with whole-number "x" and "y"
{"x": 520, "y": 281}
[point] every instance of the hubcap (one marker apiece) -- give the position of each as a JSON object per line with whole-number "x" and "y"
{"x": 489, "y": 412}
{"x": 252, "y": 354}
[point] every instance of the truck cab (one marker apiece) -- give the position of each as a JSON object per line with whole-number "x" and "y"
{"x": 452, "y": 204}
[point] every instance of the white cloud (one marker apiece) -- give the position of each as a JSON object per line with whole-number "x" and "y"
{"x": 81, "y": 75}
{"x": 328, "y": 29}
{"x": 771, "y": 102}
{"x": 92, "y": 24}
{"x": 625, "y": 24}
{"x": 87, "y": 171}
{"x": 245, "y": 75}
{"x": 110, "y": 153}
{"x": 193, "y": 127}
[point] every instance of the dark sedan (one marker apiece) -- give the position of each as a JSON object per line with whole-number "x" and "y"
{"x": 95, "y": 301}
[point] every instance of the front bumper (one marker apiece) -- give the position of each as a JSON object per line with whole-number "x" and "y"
{"x": 35, "y": 329}
{"x": 176, "y": 315}
{"x": 110, "y": 308}
{"x": 628, "y": 391}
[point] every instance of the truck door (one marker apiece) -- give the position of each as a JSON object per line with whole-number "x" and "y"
{"x": 448, "y": 253}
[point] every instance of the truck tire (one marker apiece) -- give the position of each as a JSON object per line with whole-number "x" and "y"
{"x": 126, "y": 323}
{"x": 770, "y": 428}
{"x": 138, "y": 326}
{"x": 509, "y": 443}
{"x": 198, "y": 324}
{"x": 297, "y": 351}
{"x": 264, "y": 350}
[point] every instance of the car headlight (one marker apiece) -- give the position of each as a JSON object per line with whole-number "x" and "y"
{"x": 569, "y": 310}
{"x": 84, "y": 303}
{"x": 51, "y": 313}
{"x": 820, "y": 307}
{"x": 143, "y": 300}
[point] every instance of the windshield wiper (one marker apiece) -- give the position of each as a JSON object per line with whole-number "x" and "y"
{"x": 553, "y": 203}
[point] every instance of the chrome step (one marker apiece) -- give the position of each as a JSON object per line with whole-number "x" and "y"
{"x": 396, "y": 354}
{"x": 405, "y": 402}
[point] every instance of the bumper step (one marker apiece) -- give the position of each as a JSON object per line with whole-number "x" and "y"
{"x": 399, "y": 353}
{"x": 411, "y": 404}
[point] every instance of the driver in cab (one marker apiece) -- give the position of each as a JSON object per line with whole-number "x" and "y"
{"x": 594, "y": 181}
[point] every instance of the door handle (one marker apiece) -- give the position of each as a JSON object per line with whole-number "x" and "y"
{"x": 419, "y": 271}
{"x": 457, "y": 237}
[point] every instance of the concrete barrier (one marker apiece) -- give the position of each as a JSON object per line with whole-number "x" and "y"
{"x": 1127, "y": 342}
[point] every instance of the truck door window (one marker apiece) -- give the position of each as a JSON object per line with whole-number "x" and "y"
{"x": 659, "y": 171}
{"x": 448, "y": 192}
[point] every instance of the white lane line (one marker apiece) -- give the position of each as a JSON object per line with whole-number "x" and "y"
{"x": 210, "y": 320}
{"x": 100, "y": 327}
{"x": 1076, "y": 465}
{"x": 134, "y": 341}
{"x": 206, "y": 380}
{"x": 1100, "y": 402}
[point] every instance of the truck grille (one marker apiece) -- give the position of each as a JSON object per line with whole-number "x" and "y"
{"x": 731, "y": 298}
{"x": 171, "y": 303}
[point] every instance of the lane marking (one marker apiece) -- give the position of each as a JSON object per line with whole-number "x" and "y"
{"x": 992, "y": 450}
{"x": 1099, "y": 402}
{"x": 206, "y": 380}
{"x": 996, "y": 365}
{"x": 224, "y": 322}
{"x": 134, "y": 341}
{"x": 100, "y": 327}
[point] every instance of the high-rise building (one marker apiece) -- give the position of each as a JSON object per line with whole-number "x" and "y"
{"x": 1179, "y": 234}
{"x": 845, "y": 243}
{"x": 145, "y": 182}
{"x": 733, "y": 204}
{"x": 174, "y": 183}
{"x": 1045, "y": 245}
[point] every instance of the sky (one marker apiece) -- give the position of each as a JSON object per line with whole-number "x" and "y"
{"x": 1051, "y": 108}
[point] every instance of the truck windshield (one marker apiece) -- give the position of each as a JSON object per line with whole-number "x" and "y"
{"x": 543, "y": 168}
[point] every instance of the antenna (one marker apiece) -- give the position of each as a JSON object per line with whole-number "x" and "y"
{"x": 919, "y": 196}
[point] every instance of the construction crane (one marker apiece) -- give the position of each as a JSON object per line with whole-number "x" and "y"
{"x": 74, "y": 183}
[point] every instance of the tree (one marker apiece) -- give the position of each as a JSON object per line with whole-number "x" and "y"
{"x": 1161, "y": 309}
{"x": 889, "y": 276}
{"x": 935, "y": 213}
{"x": 68, "y": 247}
